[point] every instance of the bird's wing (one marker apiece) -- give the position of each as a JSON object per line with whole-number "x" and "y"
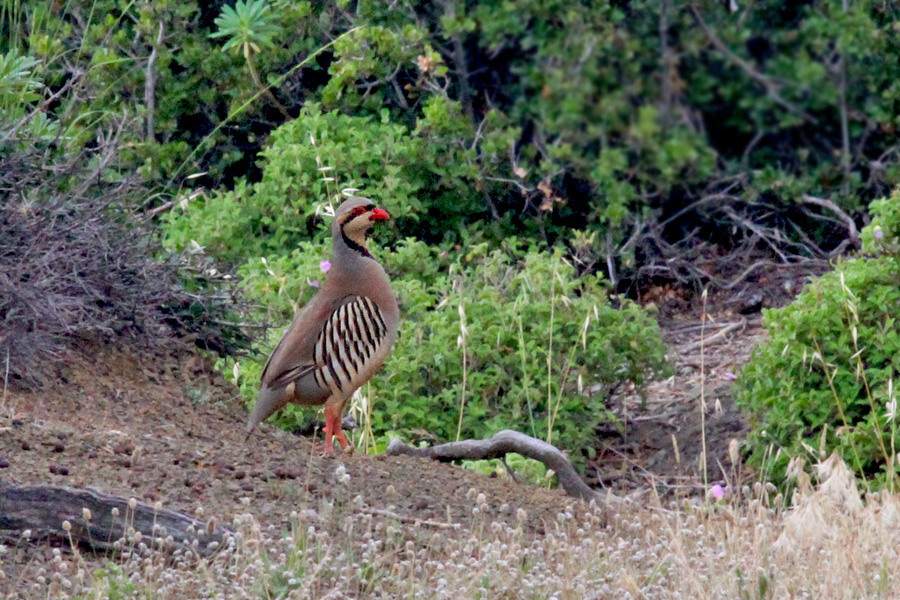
{"x": 293, "y": 356}
{"x": 346, "y": 341}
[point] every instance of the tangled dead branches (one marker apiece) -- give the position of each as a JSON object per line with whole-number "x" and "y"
{"x": 724, "y": 242}
{"x": 76, "y": 263}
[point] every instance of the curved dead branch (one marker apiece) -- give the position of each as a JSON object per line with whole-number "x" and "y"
{"x": 852, "y": 231}
{"x": 498, "y": 446}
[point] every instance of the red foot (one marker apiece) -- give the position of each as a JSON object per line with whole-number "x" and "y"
{"x": 333, "y": 430}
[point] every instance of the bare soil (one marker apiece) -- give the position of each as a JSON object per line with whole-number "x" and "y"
{"x": 176, "y": 435}
{"x": 661, "y": 438}
{"x": 159, "y": 429}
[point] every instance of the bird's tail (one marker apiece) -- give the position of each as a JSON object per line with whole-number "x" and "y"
{"x": 268, "y": 402}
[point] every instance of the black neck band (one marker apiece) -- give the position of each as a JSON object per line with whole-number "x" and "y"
{"x": 353, "y": 245}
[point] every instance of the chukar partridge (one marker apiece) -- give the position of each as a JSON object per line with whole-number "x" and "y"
{"x": 342, "y": 337}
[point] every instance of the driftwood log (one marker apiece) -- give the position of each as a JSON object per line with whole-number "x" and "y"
{"x": 42, "y": 509}
{"x": 498, "y": 446}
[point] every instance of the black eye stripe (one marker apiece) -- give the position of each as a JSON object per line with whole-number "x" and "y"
{"x": 359, "y": 210}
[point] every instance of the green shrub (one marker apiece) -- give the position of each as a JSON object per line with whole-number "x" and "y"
{"x": 882, "y": 236}
{"x": 825, "y": 378}
{"x": 514, "y": 113}
{"x": 543, "y": 348}
{"x": 312, "y": 158}
{"x": 520, "y": 372}
{"x": 535, "y": 340}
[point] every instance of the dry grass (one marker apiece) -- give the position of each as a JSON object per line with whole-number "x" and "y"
{"x": 829, "y": 544}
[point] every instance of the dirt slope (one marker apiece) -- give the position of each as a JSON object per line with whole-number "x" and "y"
{"x": 173, "y": 431}
{"x": 125, "y": 428}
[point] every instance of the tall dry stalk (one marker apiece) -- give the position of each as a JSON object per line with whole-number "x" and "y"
{"x": 550, "y": 356}
{"x": 461, "y": 342}
{"x": 526, "y": 377}
{"x": 703, "y": 317}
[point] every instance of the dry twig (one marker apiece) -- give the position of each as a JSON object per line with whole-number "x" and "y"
{"x": 718, "y": 338}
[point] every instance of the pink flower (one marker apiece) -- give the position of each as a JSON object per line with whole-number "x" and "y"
{"x": 717, "y": 492}
{"x": 313, "y": 283}
{"x": 325, "y": 265}
{"x": 878, "y": 232}
{"x": 730, "y": 376}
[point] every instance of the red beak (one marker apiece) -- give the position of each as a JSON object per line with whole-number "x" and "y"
{"x": 379, "y": 214}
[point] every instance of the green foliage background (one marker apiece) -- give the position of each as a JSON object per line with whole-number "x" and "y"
{"x": 519, "y": 144}
{"x": 827, "y": 379}
{"x": 519, "y": 116}
{"x": 490, "y": 311}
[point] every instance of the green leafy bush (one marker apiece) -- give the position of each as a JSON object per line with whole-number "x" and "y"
{"x": 882, "y": 236}
{"x": 489, "y": 340}
{"x": 513, "y": 113}
{"x": 826, "y": 379}
{"x": 512, "y": 339}
{"x": 310, "y": 159}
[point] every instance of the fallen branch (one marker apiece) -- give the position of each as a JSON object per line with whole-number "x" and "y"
{"x": 713, "y": 340}
{"x": 413, "y": 520}
{"x": 501, "y": 444}
{"x": 852, "y": 231}
{"x": 42, "y": 509}
{"x": 697, "y": 326}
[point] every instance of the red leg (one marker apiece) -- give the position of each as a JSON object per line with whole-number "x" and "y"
{"x": 329, "y": 432}
{"x": 333, "y": 417}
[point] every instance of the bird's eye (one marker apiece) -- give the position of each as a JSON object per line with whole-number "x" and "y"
{"x": 354, "y": 213}
{"x": 359, "y": 210}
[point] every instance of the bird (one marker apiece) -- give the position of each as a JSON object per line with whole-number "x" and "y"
{"x": 340, "y": 339}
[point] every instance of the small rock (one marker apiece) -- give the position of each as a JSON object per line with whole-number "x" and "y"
{"x": 59, "y": 470}
{"x": 58, "y": 448}
{"x": 123, "y": 448}
{"x": 17, "y": 423}
{"x": 310, "y": 515}
{"x": 4, "y": 463}
{"x": 240, "y": 474}
{"x": 282, "y": 473}
{"x": 26, "y": 446}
